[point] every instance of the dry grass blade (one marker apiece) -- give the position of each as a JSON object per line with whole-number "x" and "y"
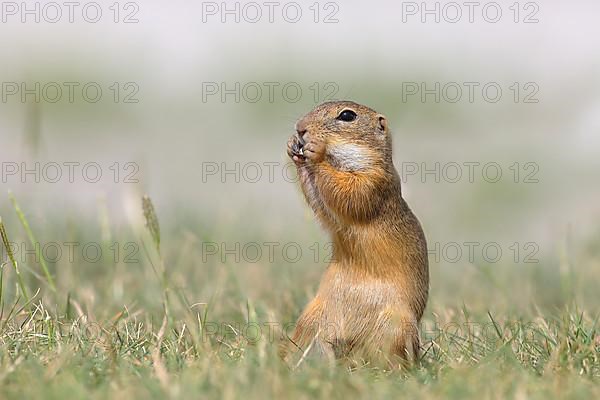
{"x": 308, "y": 349}
{"x": 151, "y": 221}
{"x": 159, "y": 367}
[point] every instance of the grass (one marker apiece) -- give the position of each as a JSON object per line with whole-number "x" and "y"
{"x": 169, "y": 325}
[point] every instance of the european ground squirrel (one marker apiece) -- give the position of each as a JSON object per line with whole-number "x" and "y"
{"x": 374, "y": 291}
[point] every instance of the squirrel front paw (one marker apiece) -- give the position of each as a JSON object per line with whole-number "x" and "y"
{"x": 300, "y": 151}
{"x": 314, "y": 151}
{"x": 295, "y": 148}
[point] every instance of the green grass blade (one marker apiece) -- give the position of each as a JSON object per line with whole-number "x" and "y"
{"x": 11, "y": 257}
{"x": 33, "y": 241}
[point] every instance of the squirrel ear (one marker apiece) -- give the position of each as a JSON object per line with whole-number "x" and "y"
{"x": 382, "y": 124}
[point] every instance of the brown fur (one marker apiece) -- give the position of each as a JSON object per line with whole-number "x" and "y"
{"x": 373, "y": 293}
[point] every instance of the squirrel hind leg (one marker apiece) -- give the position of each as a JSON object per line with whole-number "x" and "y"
{"x": 295, "y": 354}
{"x": 405, "y": 346}
{"x": 308, "y": 341}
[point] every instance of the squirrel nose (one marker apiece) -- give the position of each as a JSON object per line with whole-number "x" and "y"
{"x": 301, "y": 128}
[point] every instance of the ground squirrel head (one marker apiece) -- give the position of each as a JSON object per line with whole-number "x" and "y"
{"x": 350, "y": 136}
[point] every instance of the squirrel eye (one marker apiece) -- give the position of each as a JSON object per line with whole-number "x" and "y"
{"x": 347, "y": 116}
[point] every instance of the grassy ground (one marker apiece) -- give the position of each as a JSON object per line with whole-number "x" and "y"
{"x": 155, "y": 319}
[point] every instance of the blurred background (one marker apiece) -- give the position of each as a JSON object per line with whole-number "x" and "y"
{"x": 192, "y": 103}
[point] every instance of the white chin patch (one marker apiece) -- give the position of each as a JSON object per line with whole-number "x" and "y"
{"x": 349, "y": 157}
